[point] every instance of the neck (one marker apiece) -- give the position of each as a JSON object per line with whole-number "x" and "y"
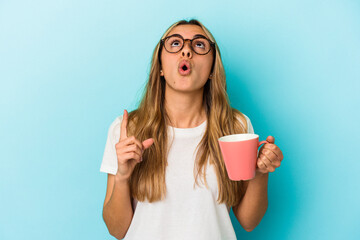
{"x": 185, "y": 109}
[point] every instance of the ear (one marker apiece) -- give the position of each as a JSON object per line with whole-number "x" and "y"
{"x": 161, "y": 73}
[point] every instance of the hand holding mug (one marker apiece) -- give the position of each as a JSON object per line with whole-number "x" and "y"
{"x": 270, "y": 157}
{"x": 241, "y": 158}
{"x": 129, "y": 150}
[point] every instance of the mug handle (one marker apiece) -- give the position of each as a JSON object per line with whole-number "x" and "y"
{"x": 262, "y": 143}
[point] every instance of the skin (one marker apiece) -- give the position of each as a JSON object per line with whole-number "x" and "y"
{"x": 270, "y": 157}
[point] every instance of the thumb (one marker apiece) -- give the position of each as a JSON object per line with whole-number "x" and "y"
{"x": 270, "y": 139}
{"x": 147, "y": 143}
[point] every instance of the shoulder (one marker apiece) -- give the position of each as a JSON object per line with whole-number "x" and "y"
{"x": 247, "y": 119}
{"x": 241, "y": 117}
{"x": 114, "y": 129}
{"x": 116, "y": 123}
{"x": 244, "y": 120}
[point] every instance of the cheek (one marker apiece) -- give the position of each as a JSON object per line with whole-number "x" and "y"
{"x": 167, "y": 63}
{"x": 207, "y": 64}
{"x": 205, "y": 69}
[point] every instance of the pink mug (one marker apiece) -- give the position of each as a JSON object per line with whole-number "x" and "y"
{"x": 239, "y": 152}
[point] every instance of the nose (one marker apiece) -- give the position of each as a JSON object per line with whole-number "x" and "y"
{"x": 186, "y": 51}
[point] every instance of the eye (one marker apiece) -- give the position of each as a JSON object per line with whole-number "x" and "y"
{"x": 175, "y": 43}
{"x": 199, "y": 44}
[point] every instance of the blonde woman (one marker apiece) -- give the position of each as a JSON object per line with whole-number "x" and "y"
{"x": 166, "y": 176}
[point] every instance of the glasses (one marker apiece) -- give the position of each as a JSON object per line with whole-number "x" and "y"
{"x": 199, "y": 44}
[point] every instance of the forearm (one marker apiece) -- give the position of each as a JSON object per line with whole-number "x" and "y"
{"x": 118, "y": 213}
{"x": 253, "y": 205}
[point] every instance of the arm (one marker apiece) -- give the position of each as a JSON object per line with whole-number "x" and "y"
{"x": 117, "y": 210}
{"x": 253, "y": 205}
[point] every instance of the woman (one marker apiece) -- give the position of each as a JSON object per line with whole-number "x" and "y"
{"x": 166, "y": 176}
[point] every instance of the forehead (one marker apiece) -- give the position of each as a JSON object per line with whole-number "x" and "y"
{"x": 187, "y": 31}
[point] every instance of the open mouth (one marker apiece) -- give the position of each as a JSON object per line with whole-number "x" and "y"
{"x": 184, "y": 68}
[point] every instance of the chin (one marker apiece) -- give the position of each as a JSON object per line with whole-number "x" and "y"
{"x": 188, "y": 89}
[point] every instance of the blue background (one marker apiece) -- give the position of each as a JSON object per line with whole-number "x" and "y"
{"x": 68, "y": 68}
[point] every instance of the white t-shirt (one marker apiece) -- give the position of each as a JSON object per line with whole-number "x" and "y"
{"x": 186, "y": 213}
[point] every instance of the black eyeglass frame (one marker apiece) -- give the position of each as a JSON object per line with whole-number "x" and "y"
{"x": 212, "y": 44}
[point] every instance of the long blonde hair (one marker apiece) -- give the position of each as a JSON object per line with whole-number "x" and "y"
{"x": 150, "y": 120}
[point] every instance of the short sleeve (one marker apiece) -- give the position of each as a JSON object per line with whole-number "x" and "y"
{"x": 109, "y": 161}
{"x": 250, "y": 126}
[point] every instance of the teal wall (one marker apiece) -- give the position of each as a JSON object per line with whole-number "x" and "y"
{"x": 68, "y": 68}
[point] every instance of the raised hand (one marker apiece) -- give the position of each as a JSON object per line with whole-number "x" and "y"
{"x": 129, "y": 150}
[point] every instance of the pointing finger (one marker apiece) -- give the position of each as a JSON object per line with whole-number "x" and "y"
{"x": 123, "y": 131}
{"x": 130, "y": 141}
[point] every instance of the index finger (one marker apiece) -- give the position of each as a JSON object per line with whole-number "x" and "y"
{"x": 123, "y": 131}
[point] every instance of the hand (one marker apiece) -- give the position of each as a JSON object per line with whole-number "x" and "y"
{"x": 129, "y": 150}
{"x": 270, "y": 157}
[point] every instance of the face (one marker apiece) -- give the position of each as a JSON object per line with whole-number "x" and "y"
{"x": 194, "y": 78}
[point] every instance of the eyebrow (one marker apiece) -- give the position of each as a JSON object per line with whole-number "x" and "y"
{"x": 199, "y": 35}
